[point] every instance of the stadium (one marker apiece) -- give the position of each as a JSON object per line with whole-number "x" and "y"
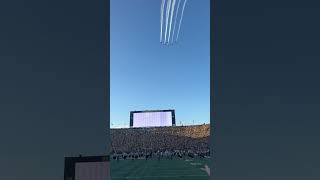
{"x": 155, "y": 148}
{"x": 146, "y": 74}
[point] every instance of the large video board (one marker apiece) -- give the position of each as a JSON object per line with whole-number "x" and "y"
{"x": 154, "y": 118}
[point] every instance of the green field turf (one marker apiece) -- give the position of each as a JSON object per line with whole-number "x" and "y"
{"x": 176, "y": 169}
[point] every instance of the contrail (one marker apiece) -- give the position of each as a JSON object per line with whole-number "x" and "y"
{"x": 175, "y": 20}
{"x": 167, "y": 19}
{"x": 184, "y": 4}
{"x": 171, "y": 15}
{"x": 161, "y": 18}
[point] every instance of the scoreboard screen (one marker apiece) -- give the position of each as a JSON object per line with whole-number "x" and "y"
{"x": 91, "y": 171}
{"x": 152, "y": 118}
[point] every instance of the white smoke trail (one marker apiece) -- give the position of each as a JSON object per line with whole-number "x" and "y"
{"x": 175, "y": 20}
{"x": 167, "y": 19}
{"x": 171, "y": 16}
{"x": 161, "y": 18}
{"x": 184, "y": 4}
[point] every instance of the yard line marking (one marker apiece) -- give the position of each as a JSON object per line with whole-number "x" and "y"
{"x": 206, "y": 169}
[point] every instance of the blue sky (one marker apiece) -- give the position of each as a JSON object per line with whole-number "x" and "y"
{"x": 148, "y": 75}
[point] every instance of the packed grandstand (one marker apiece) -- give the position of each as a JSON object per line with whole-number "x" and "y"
{"x": 161, "y": 142}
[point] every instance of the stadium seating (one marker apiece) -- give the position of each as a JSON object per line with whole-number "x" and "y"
{"x": 187, "y": 138}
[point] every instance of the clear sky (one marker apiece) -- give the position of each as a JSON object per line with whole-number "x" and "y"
{"x": 148, "y": 75}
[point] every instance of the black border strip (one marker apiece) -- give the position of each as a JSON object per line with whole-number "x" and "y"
{"x": 212, "y": 75}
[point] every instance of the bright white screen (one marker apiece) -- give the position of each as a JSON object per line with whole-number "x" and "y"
{"x": 152, "y": 119}
{"x": 92, "y": 171}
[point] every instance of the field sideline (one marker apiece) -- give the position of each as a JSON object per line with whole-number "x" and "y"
{"x": 176, "y": 169}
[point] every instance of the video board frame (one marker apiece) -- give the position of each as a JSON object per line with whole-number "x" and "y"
{"x": 70, "y": 164}
{"x": 168, "y": 110}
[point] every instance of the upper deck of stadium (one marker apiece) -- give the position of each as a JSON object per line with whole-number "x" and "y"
{"x": 193, "y": 137}
{"x": 192, "y": 131}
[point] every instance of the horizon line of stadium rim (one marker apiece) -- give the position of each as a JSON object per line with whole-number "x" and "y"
{"x": 182, "y": 125}
{"x": 125, "y": 126}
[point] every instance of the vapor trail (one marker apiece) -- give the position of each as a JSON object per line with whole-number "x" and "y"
{"x": 171, "y": 15}
{"x": 167, "y": 19}
{"x": 175, "y": 20}
{"x": 184, "y": 4}
{"x": 161, "y": 18}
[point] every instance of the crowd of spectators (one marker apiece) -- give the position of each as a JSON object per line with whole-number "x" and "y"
{"x": 161, "y": 141}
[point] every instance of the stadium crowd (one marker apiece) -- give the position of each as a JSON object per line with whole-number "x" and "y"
{"x": 161, "y": 142}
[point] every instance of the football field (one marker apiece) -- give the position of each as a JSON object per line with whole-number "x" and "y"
{"x": 176, "y": 169}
